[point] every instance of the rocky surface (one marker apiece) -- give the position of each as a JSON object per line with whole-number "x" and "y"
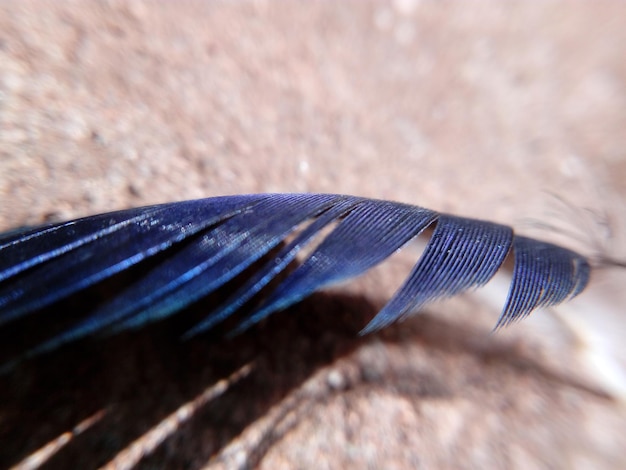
{"x": 503, "y": 111}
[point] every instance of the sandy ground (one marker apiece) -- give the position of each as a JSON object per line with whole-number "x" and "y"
{"x": 503, "y": 111}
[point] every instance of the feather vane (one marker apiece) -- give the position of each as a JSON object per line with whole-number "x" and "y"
{"x": 204, "y": 244}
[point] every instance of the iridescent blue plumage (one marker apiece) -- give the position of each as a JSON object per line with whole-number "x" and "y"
{"x": 204, "y": 244}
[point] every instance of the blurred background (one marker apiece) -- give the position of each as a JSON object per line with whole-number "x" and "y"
{"x": 508, "y": 111}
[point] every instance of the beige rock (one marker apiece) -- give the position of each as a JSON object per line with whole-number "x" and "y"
{"x": 486, "y": 111}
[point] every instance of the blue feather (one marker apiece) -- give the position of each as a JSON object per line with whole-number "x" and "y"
{"x": 204, "y": 244}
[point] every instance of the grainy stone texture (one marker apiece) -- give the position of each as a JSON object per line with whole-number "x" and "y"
{"x": 486, "y": 111}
